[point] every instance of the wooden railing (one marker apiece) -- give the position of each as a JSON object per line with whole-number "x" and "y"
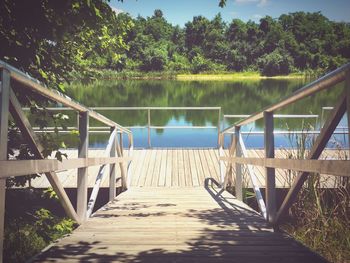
{"x": 9, "y": 104}
{"x": 237, "y": 156}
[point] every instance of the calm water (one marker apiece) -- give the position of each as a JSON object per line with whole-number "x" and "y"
{"x": 234, "y": 97}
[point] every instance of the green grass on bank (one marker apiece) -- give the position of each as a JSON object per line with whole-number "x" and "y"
{"x": 235, "y": 76}
{"x": 207, "y": 76}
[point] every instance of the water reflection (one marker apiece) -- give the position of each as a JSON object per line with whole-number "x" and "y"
{"x": 234, "y": 97}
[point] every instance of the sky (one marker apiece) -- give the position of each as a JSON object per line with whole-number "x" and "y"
{"x": 178, "y": 12}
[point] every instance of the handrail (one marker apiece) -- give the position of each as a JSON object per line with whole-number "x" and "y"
{"x": 9, "y": 104}
{"x": 305, "y": 166}
{"x": 57, "y": 96}
{"x": 324, "y": 82}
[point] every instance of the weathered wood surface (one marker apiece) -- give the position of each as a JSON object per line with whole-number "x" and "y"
{"x": 176, "y": 225}
{"x": 183, "y": 168}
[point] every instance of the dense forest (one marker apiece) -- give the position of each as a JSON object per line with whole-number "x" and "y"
{"x": 293, "y": 42}
{"x": 71, "y": 39}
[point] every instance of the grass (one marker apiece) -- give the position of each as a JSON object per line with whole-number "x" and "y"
{"x": 320, "y": 217}
{"x": 235, "y": 76}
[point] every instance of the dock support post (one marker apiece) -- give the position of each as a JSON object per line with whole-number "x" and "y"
{"x": 270, "y": 172}
{"x": 82, "y": 187}
{"x": 149, "y": 127}
{"x": 112, "y": 169}
{"x": 238, "y": 167}
{"x": 347, "y": 88}
{"x": 4, "y": 112}
{"x": 219, "y": 122}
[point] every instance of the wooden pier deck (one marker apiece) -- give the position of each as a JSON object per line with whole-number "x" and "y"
{"x": 198, "y": 224}
{"x": 181, "y": 168}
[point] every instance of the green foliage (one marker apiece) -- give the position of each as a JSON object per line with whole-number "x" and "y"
{"x": 275, "y": 63}
{"x": 29, "y": 227}
{"x": 292, "y": 43}
{"x": 320, "y": 216}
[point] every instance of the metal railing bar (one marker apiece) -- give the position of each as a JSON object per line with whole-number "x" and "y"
{"x": 276, "y": 116}
{"x": 137, "y": 108}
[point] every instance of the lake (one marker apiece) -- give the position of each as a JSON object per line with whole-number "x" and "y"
{"x": 234, "y": 98}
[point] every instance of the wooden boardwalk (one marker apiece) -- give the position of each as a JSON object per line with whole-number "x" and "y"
{"x": 197, "y": 224}
{"x": 181, "y": 168}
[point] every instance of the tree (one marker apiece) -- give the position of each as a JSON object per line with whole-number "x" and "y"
{"x": 277, "y": 62}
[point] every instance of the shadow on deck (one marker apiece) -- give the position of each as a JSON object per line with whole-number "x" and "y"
{"x": 177, "y": 225}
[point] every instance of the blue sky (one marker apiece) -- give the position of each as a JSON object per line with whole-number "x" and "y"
{"x": 178, "y": 12}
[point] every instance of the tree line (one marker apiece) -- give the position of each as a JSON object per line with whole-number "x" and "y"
{"x": 291, "y": 43}
{"x": 60, "y": 42}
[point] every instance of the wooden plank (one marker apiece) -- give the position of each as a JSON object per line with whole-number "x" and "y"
{"x": 155, "y": 167}
{"x": 204, "y": 164}
{"x": 174, "y": 167}
{"x": 159, "y": 176}
{"x": 83, "y": 123}
{"x": 138, "y": 160}
{"x": 269, "y": 143}
{"x": 212, "y": 171}
{"x": 215, "y": 158}
{"x": 167, "y": 166}
{"x": 193, "y": 167}
{"x": 181, "y": 168}
{"x": 4, "y": 115}
{"x": 316, "y": 150}
{"x": 187, "y": 168}
{"x": 148, "y": 167}
{"x": 145, "y": 169}
{"x": 200, "y": 172}
{"x": 140, "y": 171}
{"x": 162, "y": 172}
{"x": 37, "y": 149}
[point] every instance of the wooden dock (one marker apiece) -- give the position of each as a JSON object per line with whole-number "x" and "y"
{"x": 198, "y": 224}
{"x": 181, "y": 168}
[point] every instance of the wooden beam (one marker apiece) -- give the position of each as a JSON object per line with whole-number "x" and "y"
{"x": 269, "y": 142}
{"x": 82, "y": 184}
{"x": 37, "y": 148}
{"x": 316, "y": 150}
{"x": 238, "y": 166}
{"x": 251, "y": 172}
{"x": 22, "y": 167}
{"x": 122, "y": 167}
{"x": 4, "y": 112}
{"x": 100, "y": 175}
{"x": 331, "y": 167}
{"x": 112, "y": 170}
{"x": 347, "y": 90}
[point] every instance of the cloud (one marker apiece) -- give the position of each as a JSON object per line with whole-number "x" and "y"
{"x": 116, "y": 10}
{"x": 259, "y": 3}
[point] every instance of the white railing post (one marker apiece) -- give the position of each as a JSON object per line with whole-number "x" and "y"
{"x": 4, "y": 113}
{"x": 238, "y": 166}
{"x": 219, "y": 123}
{"x": 149, "y": 127}
{"x": 270, "y": 172}
{"x": 112, "y": 169}
{"x": 347, "y": 88}
{"x": 82, "y": 187}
